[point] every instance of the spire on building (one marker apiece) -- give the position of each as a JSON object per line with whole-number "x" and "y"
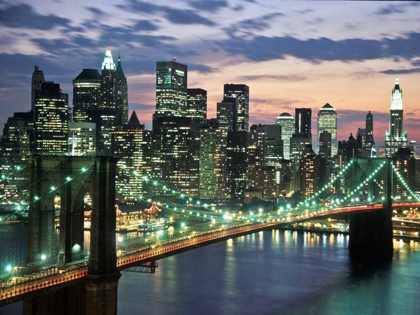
{"x": 119, "y": 72}
{"x": 108, "y": 63}
{"x": 396, "y": 98}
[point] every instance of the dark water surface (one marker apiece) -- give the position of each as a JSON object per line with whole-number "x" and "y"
{"x": 274, "y": 272}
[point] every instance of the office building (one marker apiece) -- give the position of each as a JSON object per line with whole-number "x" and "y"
{"x": 241, "y": 93}
{"x": 86, "y": 94}
{"x": 327, "y": 121}
{"x": 127, "y": 145}
{"x": 171, "y": 89}
{"x": 395, "y": 138}
{"x": 82, "y": 138}
{"x": 287, "y": 123}
{"x": 37, "y": 80}
{"x": 213, "y": 167}
{"x": 176, "y": 144}
{"x": 52, "y": 115}
{"x": 197, "y": 104}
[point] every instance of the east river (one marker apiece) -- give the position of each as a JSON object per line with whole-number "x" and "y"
{"x": 273, "y": 272}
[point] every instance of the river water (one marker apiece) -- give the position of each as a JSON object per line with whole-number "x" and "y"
{"x": 274, "y": 272}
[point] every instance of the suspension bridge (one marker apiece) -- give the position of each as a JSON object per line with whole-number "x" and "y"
{"x": 60, "y": 275}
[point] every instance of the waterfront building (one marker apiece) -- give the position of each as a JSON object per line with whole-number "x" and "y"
{"x": 127, "y": 145}
{"x": 213, "y": 167}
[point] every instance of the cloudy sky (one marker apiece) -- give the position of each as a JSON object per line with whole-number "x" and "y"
{"x": 290, "y": 53}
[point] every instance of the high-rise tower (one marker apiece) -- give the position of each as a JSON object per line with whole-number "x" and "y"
{"x": 51, "y": 120}
{"x": 121, "y": 101}
{"x": 287, "y": 123}
{"x": 369, "y": 142}
{"x": 171, "y": 89}
{"x": 396, "y": 138}
{"x": 241, "y": 93}
{"x": 108, "y": 84}
{"x": 327, "y": 121}
{"x": 86, "y": 93}
{"x": 37, "y": 80}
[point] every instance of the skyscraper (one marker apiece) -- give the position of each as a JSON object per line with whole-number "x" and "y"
{"x": 82, "y": 138}
{"x": 327, "y": 121}
{"x": 369, "y": 149}
{"x": 241, "y": 93}
{"x": 37, "y": 80}
{"x": 197, "y": 104}
{"x": 267, "y": 138}
{"x": 108, "y": 82}
{"x": 171, "y": 88}
{"x": 303, "y": 133}
{"x": 213, "y": 166}
{"x": 127, "y": 145}
{"x": 176, "y": 142}
{"x": 396, "y": 137}
{"x": 227, "y": 114}
{"x": 237, "y": 143}
{"x": 51, "y": 120}
{"x": 303, "y": 122}
{"x": 121, "y": 97}
{"x": 15, "y": 150}
{"x": 324, "y": 144}
{"x": 86, "y": 93}
{"x": 287, "y": 123}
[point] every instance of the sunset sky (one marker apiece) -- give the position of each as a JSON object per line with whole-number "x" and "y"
{"x": 291, "y": 54}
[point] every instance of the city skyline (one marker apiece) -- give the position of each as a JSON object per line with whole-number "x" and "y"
{"x": 352, "y": 82}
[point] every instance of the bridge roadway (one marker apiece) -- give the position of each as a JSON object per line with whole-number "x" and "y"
{"x": 54, "y": 278}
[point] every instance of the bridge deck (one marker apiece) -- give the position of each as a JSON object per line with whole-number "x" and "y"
{"x": 46, "y": 281}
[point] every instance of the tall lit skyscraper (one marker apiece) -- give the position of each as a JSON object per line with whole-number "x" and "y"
{"x": 227, "y": 114}
{"x": 15, "y": 150}
{"x": 396, "y": 137}
{"x": 51, "y": 120}
{"x": 213, "y": 166}
{"x": 82, "y": 138}
{"x": 324, "y": 144}
{"x": 176, "y": 153}
{"x": 303, "y": 133}
{"x": 267, "y": 138}
{"x": 127, "y": 145}
{"x": 121, "y": 95}
{"x": 327, "y": 121}
{"x": 287, "y": 123}
{"x": 108, "y": 84}
{"x": 197, "y": 104}
{"x": 369, "y": 149}
{"x": 240, "y": 92}
{"x": 303, "y": 122}
{"x": 171, "y": 88}
{"x": 237, "y": 143}
{"x": 86, "y": 93}
{"x": 37, "y": 80}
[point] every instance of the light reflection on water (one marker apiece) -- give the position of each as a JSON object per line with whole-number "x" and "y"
{"x": 274, "y": 272}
